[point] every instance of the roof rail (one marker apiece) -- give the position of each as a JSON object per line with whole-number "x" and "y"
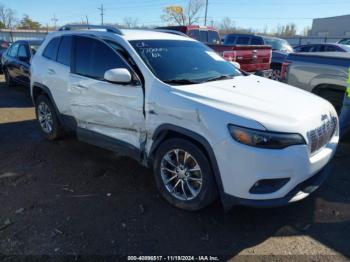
{"x": 109, "y": 29}
{"x": 169, "y": 31}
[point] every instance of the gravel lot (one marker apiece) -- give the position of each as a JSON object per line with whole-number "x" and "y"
{"x": 69, "y": 198}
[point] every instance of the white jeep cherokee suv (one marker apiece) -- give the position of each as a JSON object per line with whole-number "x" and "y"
{"x": 170, "y": 102}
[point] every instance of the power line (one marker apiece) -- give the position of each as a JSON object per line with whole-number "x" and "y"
{"x": 206, "y": 12}
{"x": 102, "y": 13}
{"x": 54, "y": 20}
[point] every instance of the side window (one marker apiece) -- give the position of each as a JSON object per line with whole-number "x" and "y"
{"x": 243, "y": 40}
{"x": 194, "y": 34}
{"x": 203, "y": 36}
{"x": 50, "y": 51}
{"x": 22, "y": 51}
{"x": 64, "y": 51}
{"x": 93, "y": 58}
{"x": 256, "y": 41}
{"x": 14, "y": 50}
{"x": 332, "y": 48}
{"x": 305, "y": 49}
{"x": 213, "y": 37}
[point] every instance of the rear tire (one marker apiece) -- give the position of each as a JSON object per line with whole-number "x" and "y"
{"x": 48, "y": 119}
{"x": 8, "y": 80}
{"x": 183, "y": 175}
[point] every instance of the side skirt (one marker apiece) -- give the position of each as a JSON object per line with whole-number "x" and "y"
{"x": 106, "y": 142}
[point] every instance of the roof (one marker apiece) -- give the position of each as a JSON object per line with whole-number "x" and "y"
{"x": 128, "y": 34}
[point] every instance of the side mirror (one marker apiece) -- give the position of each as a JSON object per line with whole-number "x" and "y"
{"x": 118, "y": 76}
{"x": 237, "y": 65}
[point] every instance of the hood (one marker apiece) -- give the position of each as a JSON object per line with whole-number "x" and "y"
{"x": 276, "y": 106}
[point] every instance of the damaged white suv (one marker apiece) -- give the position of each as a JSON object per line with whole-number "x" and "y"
{"x": 170, "y": 102}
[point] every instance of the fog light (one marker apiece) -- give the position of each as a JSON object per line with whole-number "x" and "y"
{"x": 268, "y": 186}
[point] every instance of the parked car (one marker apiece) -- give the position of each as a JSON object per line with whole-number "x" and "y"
{"x": 175, "y": 105}
{"x": 253, "y": 59}
{"x": 16, "y": 62}
{"x": 3, "y": 47}
{"x": 344, "y": 41}
{"x": 324, "y": 74}
{"x": 322, "y": 48}
{"x": 280, "y": 48}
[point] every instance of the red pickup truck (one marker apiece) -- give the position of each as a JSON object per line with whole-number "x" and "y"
{"x": 252, "y": 58}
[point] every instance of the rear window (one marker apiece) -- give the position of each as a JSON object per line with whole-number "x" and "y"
{"x": 243, "y": 40}
{"x": 194, "y": 34}
{"x": 230, "y": 40}
{"x": 50, "y": 51}
{"x": 203, "y": 36}
{"x": 13, "y": 50}
{"x": 257, "y": 41}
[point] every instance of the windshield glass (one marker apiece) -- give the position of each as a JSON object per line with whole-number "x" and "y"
{"x": 279, "y": 44}
{"x": 183, "y": 62}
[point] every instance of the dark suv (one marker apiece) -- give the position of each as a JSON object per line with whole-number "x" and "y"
{"x": 16, "y": 62}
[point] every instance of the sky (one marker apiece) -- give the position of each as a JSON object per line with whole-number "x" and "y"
{"x": 255, "y": 14}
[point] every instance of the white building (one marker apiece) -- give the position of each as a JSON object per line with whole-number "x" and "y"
{"x": 337, "y": 26}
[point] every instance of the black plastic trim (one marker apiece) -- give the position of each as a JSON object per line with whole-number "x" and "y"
{"x": 109, "y": 143}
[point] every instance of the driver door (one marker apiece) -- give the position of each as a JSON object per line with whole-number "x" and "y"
{"x": 107, "y": 114}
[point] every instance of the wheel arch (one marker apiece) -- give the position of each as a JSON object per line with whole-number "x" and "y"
{"x": 40, "y": 89}
{"x": 167, "y": 131}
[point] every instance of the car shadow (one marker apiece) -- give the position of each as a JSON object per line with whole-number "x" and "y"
{"x": 82, "y": 200}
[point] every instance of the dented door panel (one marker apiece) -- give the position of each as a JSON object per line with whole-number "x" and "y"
{"x": 109, "y": 109}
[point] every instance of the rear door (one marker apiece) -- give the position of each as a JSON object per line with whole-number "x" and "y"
{"x": 22, "y": 64}
{"x": 107, "y": 114}
{"x": 11, "y": 62}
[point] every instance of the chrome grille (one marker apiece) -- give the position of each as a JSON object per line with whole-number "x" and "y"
{"x": 320, "y": 136}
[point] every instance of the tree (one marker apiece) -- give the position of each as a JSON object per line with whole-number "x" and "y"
{"x": 130, "y": 22}
{"x": 226, "y": 26}
{"x": 7, "y": 16}
{"x": 181, "y": 16}
{"x": 287, "y": 30}
{"x": 2, "y": 26}
{"x": 28, "y": 23}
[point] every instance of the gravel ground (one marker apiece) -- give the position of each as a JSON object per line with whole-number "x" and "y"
{"x": 69, "y": 198}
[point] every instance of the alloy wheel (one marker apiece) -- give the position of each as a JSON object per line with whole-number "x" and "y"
{"x": 45, "y": 117}
{"x": 181, "y": 174}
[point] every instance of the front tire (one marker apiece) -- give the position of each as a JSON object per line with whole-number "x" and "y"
{"x": 47, "y": 118}
{"x": 183, "y": 175}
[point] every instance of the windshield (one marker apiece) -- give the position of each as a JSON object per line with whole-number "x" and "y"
{"x": 346, "y": 48}
{"x": 183, "y": 62}
{"x": 279, "y": 44}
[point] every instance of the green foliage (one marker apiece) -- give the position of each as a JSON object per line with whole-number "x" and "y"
{"x": 2, "y": 25}
{"x": 28, "y": 23}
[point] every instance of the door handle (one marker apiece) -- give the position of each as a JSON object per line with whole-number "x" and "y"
{"x": 51, "y": 71}
{"x": 81, "y": 86}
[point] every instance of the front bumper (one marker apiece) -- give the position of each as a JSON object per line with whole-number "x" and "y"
{"x": 301, "y": 191}
{"x": 241, "y": 167}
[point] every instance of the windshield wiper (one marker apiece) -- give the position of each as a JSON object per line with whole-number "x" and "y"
{"x": 222, "y": 77}
{"x": 180, "y": 81}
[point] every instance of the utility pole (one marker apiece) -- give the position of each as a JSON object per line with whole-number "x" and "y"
{"x": 87, "y": 20}
{"x": 54, "y": 20}
{"x": 102, "y": 13}
{"x": 206, "y": 12}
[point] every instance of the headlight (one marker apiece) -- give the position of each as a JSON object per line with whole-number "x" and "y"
{"x": 265, "y": 139}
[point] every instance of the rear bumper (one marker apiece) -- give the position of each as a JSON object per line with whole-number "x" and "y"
{"x": 301, "y": 191}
